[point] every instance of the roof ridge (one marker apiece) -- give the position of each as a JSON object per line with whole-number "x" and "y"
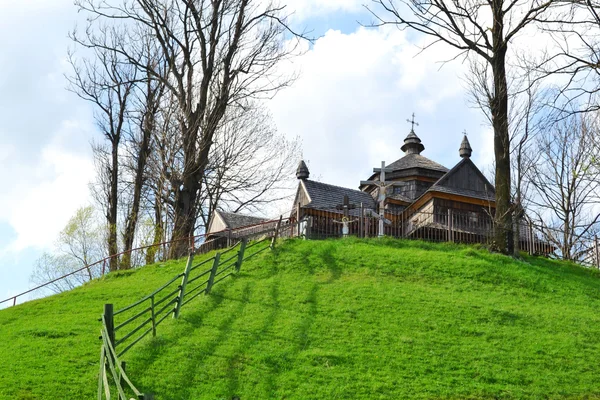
{"x": 336, "y": 186}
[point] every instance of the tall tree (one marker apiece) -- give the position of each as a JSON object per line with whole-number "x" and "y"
{"x": 219, "y": 52}
{"x": 147, "y": 105}
{"x": 106, "y": 81}
{"x": 484, "y": 28}
{"x": 566, "y": 177}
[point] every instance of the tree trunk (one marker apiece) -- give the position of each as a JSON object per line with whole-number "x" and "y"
{"x": 499, "y": 111}
{"x": 133, "y": 216}
{"x": 111, "y": 214}
{"x": 158, "y": 230}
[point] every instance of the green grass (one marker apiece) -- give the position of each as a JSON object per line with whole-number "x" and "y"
{"x": 344, "y": 319}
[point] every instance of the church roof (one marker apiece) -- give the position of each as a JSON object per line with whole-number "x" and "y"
{"x": 324, "y": 196}
{"x": 235, "y": 220}
{"x": 458, "y": 183}
{"x": 416, "y": 161}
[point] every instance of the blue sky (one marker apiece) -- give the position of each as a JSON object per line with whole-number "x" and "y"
{"x": 357, "y": 87}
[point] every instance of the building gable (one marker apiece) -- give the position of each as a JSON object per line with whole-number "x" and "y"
{"x": 465, "y": 179}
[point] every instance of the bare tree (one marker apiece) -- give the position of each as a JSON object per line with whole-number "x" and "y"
{"x": 528, "y": 115}
{"x": 576, "y": 32}
{"x": 145, "y": 113}
{"x": 250, "y": 165}
{"x": 566, "y": 177}
{"x": 105, "y": 80}
{"x": 484, "y": 28}
{"x": 219, "y": 52}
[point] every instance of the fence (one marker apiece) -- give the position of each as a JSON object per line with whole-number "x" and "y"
{"x": 144, "y": 255}
{"x": 144, "y": 316}
{"x": 452, "y": 226}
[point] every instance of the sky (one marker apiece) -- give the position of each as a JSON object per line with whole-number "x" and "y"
{"x": 356, "y": 88}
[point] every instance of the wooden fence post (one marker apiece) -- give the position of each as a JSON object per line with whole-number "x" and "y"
{"x": 597, "y": 252}
{"x": 213, "y": 272}
{"x": 298, "y": 220}
{"x": 531, "y": 239}
{"x": 240, "y": 259}
{"x": 153, "y": 316}
{"x": 361, "y": 221}
{"x": 449, "y": 225}
{"x": 109, "y": 320}
{"x": 184, "y": 280}
{"x": 277, "y": 228}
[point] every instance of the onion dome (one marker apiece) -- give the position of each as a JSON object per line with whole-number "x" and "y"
{"x": 412, "y": 144}
{"x": 302, "y": 171}
{"x": 465, "y": 148}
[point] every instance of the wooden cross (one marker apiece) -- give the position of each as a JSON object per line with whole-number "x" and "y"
{"x": 346, "y": 206}
{"x": 412, "y": 122}
{"x": 382, "y": 187}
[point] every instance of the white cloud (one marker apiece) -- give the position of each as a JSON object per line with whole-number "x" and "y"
{"x": 38, "y": 205}
{"x": 355, "y": 93}
{"x": 304, "y": 9}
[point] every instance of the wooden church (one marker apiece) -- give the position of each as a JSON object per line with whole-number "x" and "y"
{"x": 415, "y": 196}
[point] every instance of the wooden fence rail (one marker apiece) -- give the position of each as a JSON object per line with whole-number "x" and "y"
{"x": 168, "y": 299}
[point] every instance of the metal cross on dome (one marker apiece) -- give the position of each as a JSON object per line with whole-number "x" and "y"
{"x": 382, "y": 187}
{"x": 412, "y": 122}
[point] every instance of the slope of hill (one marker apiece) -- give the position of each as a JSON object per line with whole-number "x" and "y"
{"x": 331, "y": 319}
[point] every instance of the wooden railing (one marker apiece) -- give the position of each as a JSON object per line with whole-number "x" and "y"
{"x": 142, "y": 318}
{"x": 137, "y": 256}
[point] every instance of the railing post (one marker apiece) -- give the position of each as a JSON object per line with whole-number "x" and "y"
{"x": 531, "y": 240}
{"x": 597, "y": 252}
{"x": 109, "y": 320}
{"x": 361, "y": 221}
{"x": 449, "y": 225}
{"x": 240, "y": 259}
{"x": 184, "y": 280}
{"x": 213, "y": 272}
{"x": 14, "y": 301}
{"x": 298, "y": 220}
{"x": 277, "y": 228}
{"x": 153, "y": 316}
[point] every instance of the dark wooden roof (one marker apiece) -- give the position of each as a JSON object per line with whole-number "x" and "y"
{"x": 465, "y": 179}
{"x": 416, "y": 161}
{"x": 235, "y": 220}
{"x": 326, "y": 197}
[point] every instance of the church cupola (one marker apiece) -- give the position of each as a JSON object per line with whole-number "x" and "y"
{"x": 465, "y": 148}
{"x": 412, "y": 144}
{"x": 302, "y": 171}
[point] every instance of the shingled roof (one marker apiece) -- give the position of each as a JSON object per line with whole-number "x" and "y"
{"x": 416, "y": 161}
{"x": 484, "y": 189}
{"x": 235, "y": 220}
{"x": 326, "y": 197}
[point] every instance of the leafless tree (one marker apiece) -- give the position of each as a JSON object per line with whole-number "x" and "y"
{"x": 219, "y": 52}
{"x": 146, "y": 116}
{"x": 485, "y": 29}
{"x": 575, "y": 28}
{"x": 105, "y": 80}
{"x": 250, "y": 165}
{"x": 566, "y": 178}
{"x": 528, "y": 115}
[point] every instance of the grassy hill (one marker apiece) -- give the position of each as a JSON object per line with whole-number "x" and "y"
{"x": 334, "y": 319}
